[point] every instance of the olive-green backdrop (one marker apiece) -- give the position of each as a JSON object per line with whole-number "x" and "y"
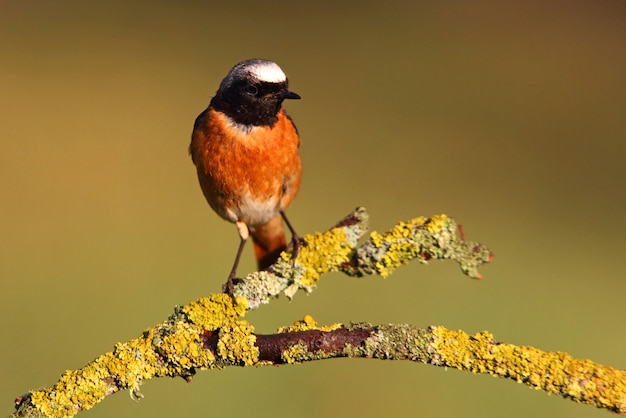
{"x": 508, "y": 116}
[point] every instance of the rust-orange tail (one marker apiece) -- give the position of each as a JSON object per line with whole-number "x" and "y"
{"x": 269, "y": 241}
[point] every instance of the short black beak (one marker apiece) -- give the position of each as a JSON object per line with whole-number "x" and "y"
{"x": 291, "y": 95}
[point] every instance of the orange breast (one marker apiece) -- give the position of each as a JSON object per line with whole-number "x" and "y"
{"x": 246, "y": 175}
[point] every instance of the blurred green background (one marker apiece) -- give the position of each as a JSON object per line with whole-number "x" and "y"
{"x": 510, "y": 117}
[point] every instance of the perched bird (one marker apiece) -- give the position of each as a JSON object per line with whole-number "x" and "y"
{"x": 245, "y": 148}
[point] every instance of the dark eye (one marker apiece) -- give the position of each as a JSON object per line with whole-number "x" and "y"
{"x": 252, "y": 89}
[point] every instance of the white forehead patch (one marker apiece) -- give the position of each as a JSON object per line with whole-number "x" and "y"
{"x": 267, "y": 71}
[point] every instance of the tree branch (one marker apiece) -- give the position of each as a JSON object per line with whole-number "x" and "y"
{"x": 211, "y": 332}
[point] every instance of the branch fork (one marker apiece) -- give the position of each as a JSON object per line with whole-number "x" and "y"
{"x": 210, "y": 332}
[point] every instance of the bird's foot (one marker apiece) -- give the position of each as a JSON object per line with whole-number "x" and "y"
{"x": 229, "y": 287}
{"x": 297, "y": 242}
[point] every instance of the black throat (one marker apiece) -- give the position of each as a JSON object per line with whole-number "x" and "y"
{"x": 258, "y": 107}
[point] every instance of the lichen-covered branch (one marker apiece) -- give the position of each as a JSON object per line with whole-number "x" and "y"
{"x": 557, "y": 373}
{"x": 420, "y": 238}
{"x": 211, "y": 332}
{"x": 553, "y": 372}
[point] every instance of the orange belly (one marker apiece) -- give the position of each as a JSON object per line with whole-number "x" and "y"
{"x": 246, "y": 175}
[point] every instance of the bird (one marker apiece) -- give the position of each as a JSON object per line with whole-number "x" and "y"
{"x": 245, "y": 147}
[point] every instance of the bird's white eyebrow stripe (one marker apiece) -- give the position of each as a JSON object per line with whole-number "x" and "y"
{"x": 268, "y": 71}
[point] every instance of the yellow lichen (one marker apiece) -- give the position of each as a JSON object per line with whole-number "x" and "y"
{"x": 215, "y": 310}
{"x": 75, "y": 389}
{"x": 322, "y": 253}
{"x": 296, "y": 353}
{"x": 554, "y": 372}
{"x": 236, "y": 344}
{"x": 308, "y": 323}
{"x": 401, "y": 242}
{"x": 399, "y": 253}
{"x": 437, "y": 222}
{"x": 130, "y": 363}
{"x": 377, "y": 239}
{"x": 181, "y": 348}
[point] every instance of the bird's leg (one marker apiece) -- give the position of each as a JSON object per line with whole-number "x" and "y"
{"x": 296, "y": 240}
{"x": 244, "y": 233}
